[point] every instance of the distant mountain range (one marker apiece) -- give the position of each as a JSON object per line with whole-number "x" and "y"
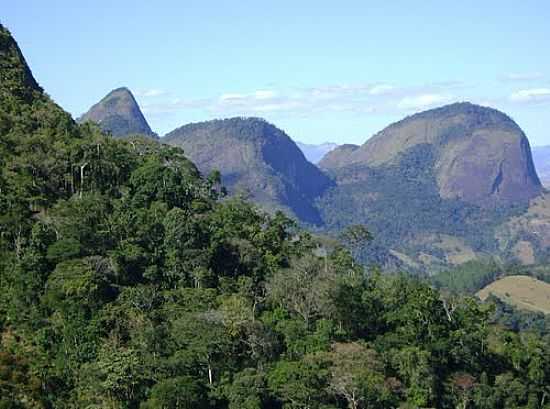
{"x": 314, "y": 153}
{"x": 541, "y": 157}
{"x": 440, "y": 187}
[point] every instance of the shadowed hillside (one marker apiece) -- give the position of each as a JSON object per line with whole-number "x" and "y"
{"x": 256, "y": 158}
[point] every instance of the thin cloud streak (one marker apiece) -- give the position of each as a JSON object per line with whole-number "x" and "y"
{"x": 424, "y": 101}
{"x": 531, "y": 95}
{"x": 151, "y": 93}
{"x": 522, "y": 77}
{"x": 360, "y": 99}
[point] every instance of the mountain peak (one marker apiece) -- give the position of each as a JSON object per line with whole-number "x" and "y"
{"x": 479, "y": 154}
{"x": 481, "y": 114}
{"x": 119, "y": 113}
{"x": 17, "y": 79}
{"x": 255, "y": 156}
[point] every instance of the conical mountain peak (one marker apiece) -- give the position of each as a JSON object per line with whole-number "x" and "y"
{"x": 119, "y": 113}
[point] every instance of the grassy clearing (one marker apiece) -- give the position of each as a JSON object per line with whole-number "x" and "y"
{"x": 524, "y": 292}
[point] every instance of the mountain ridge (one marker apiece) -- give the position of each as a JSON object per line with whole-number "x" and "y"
{"x": 119, "y": 113}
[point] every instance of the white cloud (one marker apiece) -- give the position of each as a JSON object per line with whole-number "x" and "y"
{"x": 174, "y": 105}
{"x": 232, "y": 97}
{"x": 525, "y": 76}
{"x": 382, "y": 89}
{"x": 264, "y": 94}
{"x": 352, "y": 99}
{"x": 531, "y": 95}
{"x": 422, "y": 101}
{"x": 149, "y": 93}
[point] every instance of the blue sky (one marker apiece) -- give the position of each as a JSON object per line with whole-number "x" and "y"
{"x": 320, "y": 70}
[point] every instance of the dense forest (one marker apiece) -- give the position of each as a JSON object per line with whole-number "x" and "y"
{"x": 128, "y": 280}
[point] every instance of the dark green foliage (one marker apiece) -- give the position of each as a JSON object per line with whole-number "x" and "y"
{"x": 468, "y": 278}
{"x": 519, "y": 320}
{"x": 125, "y": 282}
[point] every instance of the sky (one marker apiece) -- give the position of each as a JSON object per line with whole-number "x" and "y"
{"x": 336, "y": 71}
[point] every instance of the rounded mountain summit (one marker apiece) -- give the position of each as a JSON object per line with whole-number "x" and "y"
{"x": 477, "y": 154}
{"x": 258, "y": 159}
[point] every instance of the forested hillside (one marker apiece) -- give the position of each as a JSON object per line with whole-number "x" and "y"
{"x": 443, "y": 187}
{"x": 257, "y": 160}
{"x": 128, "y": 281}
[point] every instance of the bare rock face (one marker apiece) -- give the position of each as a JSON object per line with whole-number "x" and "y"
{"x": 436, "y": 187}
{"x": 481, "y": 156}
{"x": 119, "y": 113}
{"x": 255, "y": 158}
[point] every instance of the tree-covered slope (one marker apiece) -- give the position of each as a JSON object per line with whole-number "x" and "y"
{"x": 257, "y": 158}
{"x": 126, "y": 284}
{"x": 436, "y": 186}
{"x": 35, "y": 133}
{"x": 119, "y": 113}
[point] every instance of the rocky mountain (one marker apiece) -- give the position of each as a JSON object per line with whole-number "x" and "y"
{"x": 258, "y": 159}
{"x": 437, "y": 187}
{"x": 314, "y": 153}
{"x": 541, "y": 157}
{"x": 119, "y": 113}
{"x": 479, "y": 155}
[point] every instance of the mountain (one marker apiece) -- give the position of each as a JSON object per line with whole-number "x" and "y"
{"x": 33, "y": 128}
{"x": 126, "y": 283}
{"x": 477, "y": 154}
{"x": 23, "y": 102}
{"x": 541, "y": 157}
{"x": 436, "y": 188}
{"x": 119, "y": 113}
{"x": 17, "y": 79}
{"x": 257, "y": 158}
{"x": 314, "y": 153}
